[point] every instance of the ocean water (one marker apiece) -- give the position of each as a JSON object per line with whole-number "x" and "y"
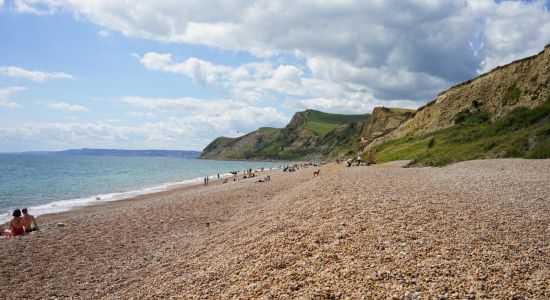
{"x": 48, "y": 184}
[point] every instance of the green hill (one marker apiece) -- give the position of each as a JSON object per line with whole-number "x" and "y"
{"x": 302, "y": 137}
{"x": 322, "y": 123}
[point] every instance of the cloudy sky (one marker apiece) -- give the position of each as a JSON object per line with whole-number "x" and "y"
{"x": 169, "y": 74}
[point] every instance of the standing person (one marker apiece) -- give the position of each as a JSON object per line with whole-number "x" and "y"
{"x": 218, "y": 175}
{"x": 359, "y": 159}
{"x": 205, "y": 181}
{"x": 29, "y": 220}
{"x": 16, "y": 224}
{"x": 370, "y": 158}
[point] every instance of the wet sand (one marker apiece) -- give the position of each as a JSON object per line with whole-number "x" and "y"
{"x": 477, "y": 229}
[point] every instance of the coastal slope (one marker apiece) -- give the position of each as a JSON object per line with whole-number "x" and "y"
{"x": 502, "y": 113}
{"x": 522, "y": 83}
{"x": 301, "y": 137}
{"x": 310, "y": 134}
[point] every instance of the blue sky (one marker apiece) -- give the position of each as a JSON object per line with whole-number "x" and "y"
{"x": 173, "y": 75}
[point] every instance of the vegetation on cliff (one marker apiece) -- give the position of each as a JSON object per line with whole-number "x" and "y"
{"x": 524, "y": 132}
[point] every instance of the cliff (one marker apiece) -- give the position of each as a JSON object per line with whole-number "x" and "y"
{"x": 502, "y": 113}
{"x": 310, "y": 134}
{"x": 235, "y": 148}
{"x": 302, "y": 137}
{"x": 523, "y": 82}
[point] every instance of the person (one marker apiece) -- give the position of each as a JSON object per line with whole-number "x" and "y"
{"x": 205, "y": 181}
{"x": 370, "y": 158}
{"x": 16, "y": 224}
{"x": 29, "y": 220}
{"x": 359, "y": 159}
{"x": 265, "y": 179}
{"x": 4, "y": 233}
{"x": 349, "y": 161}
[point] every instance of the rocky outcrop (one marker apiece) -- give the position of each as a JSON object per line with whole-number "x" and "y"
{"x": 383, "y": 121}
{"x": 524, "y": 82}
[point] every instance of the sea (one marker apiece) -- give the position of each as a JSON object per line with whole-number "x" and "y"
{"x": 56, "y": 183}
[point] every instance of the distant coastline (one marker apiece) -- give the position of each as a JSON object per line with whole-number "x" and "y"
{"x": 119, "y": 152}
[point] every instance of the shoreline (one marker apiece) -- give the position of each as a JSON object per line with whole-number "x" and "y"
{"x": 64, "y": 205}
{"x": 476, "y": 229}
{"x": 175, "y": 189}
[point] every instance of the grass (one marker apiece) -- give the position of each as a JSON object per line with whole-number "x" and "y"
{"x": 320, "y": 128}
{"x": 322, "y": 123}
{"x": 525, "y": 132}
{"x": 268, "y": 130}
{"x": 321, "y": 117}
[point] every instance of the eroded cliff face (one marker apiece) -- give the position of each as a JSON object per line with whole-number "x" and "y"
{"x": 524, "y": 82}
{"x": 353, "y": 137}
{"x": 383, "y": 121}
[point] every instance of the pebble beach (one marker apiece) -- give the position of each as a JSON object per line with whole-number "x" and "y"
{"x": 472, "y": 230}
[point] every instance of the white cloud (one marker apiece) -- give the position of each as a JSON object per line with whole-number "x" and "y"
{"x": 38, "y": 76}
{"x": 104, "y": 33}
{"x": 201, "y": 71}
{"x": 384, "y": 50}
{"x": 248, "y": 82}
{"x": 208, "y": 118}
{"x": 67, "y": 107}
{"x": 1, "y": 3}
{"x": 139, "y": 114}
{"x": 5, "y": 94}
{"x": 513, "y": 30}
{"x": 33, "y": 7}
{"x": 187, "y": 132}
{"x": 183, "y": 104}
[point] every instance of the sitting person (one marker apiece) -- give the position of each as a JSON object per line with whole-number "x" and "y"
{"x": 30, "y": 222}
{"x": 4, "y": 233}
{"x": 17, "y": 224}
{"x": 265, "y": 179}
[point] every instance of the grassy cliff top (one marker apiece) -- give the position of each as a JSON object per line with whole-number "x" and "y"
{"x": 322, "y": 117}
{"x": 268, "y": 130}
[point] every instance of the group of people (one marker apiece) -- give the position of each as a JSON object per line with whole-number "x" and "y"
{"x": 22, "y": 223}
{"x": 370, "y": 160}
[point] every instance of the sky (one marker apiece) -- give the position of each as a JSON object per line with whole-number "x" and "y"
{"x": 169, "y": 74}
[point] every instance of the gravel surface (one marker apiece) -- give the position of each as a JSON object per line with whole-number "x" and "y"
{"x": 477, "y": 229}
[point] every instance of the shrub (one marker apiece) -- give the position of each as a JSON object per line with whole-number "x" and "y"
{"x": 512, "y": 95}
{"x": 475, "y": 117}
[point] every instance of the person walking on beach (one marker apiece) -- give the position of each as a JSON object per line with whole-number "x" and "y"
{"x": 205, "y": 181}
{"x": 29, "y": 220}
{"x": 17, "y": 225}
